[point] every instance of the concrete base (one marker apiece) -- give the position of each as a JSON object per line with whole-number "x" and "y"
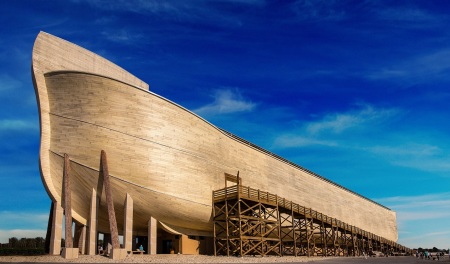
{"x": 118, "y": 253}
{"x": 70, "y": 253}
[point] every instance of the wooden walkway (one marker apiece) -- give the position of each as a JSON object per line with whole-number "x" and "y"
{"x": 248, "y": 221}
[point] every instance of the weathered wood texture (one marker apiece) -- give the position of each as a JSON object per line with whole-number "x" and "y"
{"x": 67, "y": 203}
{"x": 92, "y": 225}
{"x": 128, "y": 223}
{"x": 167, "y": 158}
{"x": 51, "y": 53}
{"x": 104, "y": 173}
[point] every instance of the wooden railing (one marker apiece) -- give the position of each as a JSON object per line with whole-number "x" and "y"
{"x": 245, "y": 192}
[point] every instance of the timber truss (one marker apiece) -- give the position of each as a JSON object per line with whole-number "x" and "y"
{"x": 252, "y": 222}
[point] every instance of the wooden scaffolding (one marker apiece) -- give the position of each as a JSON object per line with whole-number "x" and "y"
{"x": 248, "y": 221}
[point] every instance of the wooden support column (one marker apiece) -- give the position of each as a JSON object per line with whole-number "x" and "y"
{"x": 116, "y": 252}
{"x": 294, "y": 227}
{"x": 67, "y": 202}
{"x": 91, "y": 247}
{"x": 69, "y": 251}
{"x": 152, "y": 229}
{"x": 55, "y": 238}
{"x": 128, "y": 223}
{"x": 109, "y": 201}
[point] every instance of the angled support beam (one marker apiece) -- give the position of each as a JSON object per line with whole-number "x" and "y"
{"x": 109, "y": 201}
{"x": 116, "y": 252}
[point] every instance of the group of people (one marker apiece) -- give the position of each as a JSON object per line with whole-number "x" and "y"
{"x": 101, "y": 251}
{"x": 428, "y": 255}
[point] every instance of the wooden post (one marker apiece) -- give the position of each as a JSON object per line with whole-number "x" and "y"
{"x": 214, "y": 224}
{"x": 240, "y": 220}
{"x": 227, "y": 220}
{"x": 67, "y": 202}
{"x": 92, "y": 225}
{"x": 55, "y": 238}
{"x": 109, "y": 201}
{"x": 128, "y": 223}
{"x": 294, "y": 236}
{"x": 152, "y": 236}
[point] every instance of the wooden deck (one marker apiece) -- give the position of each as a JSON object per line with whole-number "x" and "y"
{"x": 249, "y": 221}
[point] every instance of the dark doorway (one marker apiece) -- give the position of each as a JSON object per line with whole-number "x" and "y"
{"x": 167, "y": 246}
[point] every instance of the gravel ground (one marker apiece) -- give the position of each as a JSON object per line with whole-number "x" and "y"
{"x": 158, "y": 259}
{"x": 211, "y": 259}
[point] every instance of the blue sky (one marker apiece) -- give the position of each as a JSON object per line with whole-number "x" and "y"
{"x": 356, "y": 91}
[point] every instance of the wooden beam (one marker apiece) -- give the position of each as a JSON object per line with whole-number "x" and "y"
{"x": 152, "y": 236}
{"x": 92, "y": 225}
{"x": 128, "y": 223}
{"x": 55, "y": 239}
{"x": 67, "y": 202}
{"x": 109, "y": 201}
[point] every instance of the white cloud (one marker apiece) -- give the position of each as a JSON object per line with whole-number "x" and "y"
{"x": 340, "y": 122}
{"x": 435, "y": 65}
{"x": 417, "y": 199}
{"x": 425, "y": 157}
{"x": 412, "y": 208}
{"x": 424, "y": 214}
{"x": 124, "y": 36}
{"x": 326, "y": 130}
{"x": 286, "y": 141}
{"x": 17, "y": 124}
{"x": 410, "y": 149}
{"x": 200, "y": 12}
{"x": 226, "y": 102}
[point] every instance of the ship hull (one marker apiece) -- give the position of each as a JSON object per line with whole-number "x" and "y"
{"x": 168, "y": 159}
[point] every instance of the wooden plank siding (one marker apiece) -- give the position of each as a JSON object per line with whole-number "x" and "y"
{"x": 166, "y": 157}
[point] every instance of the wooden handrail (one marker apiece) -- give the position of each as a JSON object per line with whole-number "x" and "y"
{"x": 258, "y": 195}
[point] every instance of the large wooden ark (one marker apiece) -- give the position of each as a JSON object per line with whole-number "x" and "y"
{"x": 166, "y": 158}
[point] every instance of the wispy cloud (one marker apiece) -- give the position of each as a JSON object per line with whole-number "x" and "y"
{"x": 301, "y": 141}
{"x": 435, "y": 65}
{"x": 204, "y": 12}
{"x": 226, "y": 101}
{"x": 357, "y": 130}
{"x": 422, "y": 156}
{"x": 326, "y": 130}
{"x": 409, "y": 16}
{"x": 422, "y": 213}
{"x": 418, "y": 200}
{"x": 412, "y": 208}
{"x": 340, "y": 122}
{"x": 17, "y": 124}
{"x": 123, "y": 36}
{"x": 307, "y": 10}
